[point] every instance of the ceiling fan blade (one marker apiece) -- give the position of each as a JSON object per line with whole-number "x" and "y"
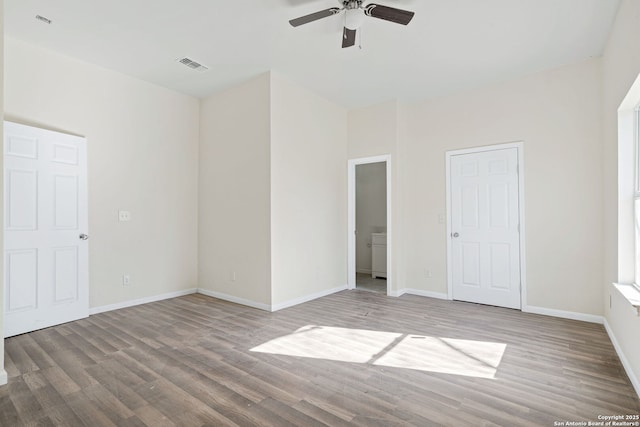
{"x": 390, "y": 14}
{"x": 314, "y": 16}
{"x": 348, "y": 37}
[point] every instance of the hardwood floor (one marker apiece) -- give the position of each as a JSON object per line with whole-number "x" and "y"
{"x": 364, "y": 282}
{"x": 195, "y": 361}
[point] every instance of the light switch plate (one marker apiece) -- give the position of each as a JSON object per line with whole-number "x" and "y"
{"x": 124, "y": 216}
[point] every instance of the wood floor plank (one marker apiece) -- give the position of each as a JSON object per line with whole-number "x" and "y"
{"x": 44, "y": 392}
{"x": 151, "y": 416}
{"x": 85, "y": 409}
{"x": 63, "y": 416}
{"x": 321, "y": 414}
{"x": 60, "y": 381}
{"x": 123, "y": 391}
{"x": 8, "y": 413}
{"x": 29, "y": 409}
{"x": 192, "y": 361}
{"x": 19, "y": 357}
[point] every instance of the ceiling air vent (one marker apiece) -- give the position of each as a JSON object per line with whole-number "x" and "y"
{"x": 43, "y": 19}
{"x": 194, "y": 65}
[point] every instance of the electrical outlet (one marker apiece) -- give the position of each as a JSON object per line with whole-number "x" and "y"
{"x": 126, "y": 280}
{"x": 427, "y": 273}
{"x": 124, "y": 216}
{"x": 233, "y": 276}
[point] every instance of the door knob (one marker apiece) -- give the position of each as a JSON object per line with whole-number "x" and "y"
{"x": 456, "y": 234}
{"x": 84, "y": 236}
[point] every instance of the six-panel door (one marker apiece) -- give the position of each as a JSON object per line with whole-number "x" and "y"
{"x": 485, "y": 238}
{"x": 45, "y": 205}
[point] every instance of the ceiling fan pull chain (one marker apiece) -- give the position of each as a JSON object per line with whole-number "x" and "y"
{"x": 344, "y": 26}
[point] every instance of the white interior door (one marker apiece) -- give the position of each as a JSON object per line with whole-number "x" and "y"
{"x": 485, "y": 237}
{"x": 45, "y": 221}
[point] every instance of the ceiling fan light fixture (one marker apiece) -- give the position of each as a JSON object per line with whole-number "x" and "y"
{"x": 353, "y": 18}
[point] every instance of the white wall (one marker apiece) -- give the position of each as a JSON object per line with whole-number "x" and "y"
{"x": 308, "y": 193}
{"x": 272, "y": 214}
{"x": 371, "y": 210}
{"x": 234, "y": 210}
{"x": 621, "y": 66}
{"x": 558, "y": 116}
{"x": 373, "y": 130}
{"x": 142, "y": 156}
{"x": 3, "y": 373}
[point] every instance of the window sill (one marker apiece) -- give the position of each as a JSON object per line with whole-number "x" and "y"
{"x": 631, "y": 294}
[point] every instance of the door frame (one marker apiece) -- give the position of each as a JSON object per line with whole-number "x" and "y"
{"x": 351, "y": 229}
{"x": 519, "y": 146}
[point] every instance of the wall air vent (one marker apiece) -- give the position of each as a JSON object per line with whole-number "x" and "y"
{"x": 194, "y": 65}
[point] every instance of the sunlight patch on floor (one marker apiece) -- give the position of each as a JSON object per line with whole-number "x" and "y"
{"x": 396, "y": 350}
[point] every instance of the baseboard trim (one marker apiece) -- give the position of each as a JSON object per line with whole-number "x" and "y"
{"x": 234, "y": 299}
{"x": 146, "y": 300}
{"x": 397, "y": 293}
{"x": 591, "y": 318}
{"x": 4, "y": 378}
{"x": 363, "y": 271}
{"x": 625, "y": 362}
{"x": 306, "y": 298}
{"x": 428, "y": 294}
{"x": 419, "y": 292}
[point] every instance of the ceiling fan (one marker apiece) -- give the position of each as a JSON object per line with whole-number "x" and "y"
{"x": 354, "y": 16}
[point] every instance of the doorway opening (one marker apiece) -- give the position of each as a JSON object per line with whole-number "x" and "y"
{"x": 369, "y": 266}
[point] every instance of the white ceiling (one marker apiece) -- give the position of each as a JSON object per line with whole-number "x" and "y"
{"x": 451, "y": 45}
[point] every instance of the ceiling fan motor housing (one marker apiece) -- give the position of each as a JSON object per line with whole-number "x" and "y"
{"x": 352, "y": 4}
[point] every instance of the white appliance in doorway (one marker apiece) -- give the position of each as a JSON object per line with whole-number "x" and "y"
{"x": 485, "y": 224}
{"x": 45, "y": 222}
{"x": 379, "y": 255}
